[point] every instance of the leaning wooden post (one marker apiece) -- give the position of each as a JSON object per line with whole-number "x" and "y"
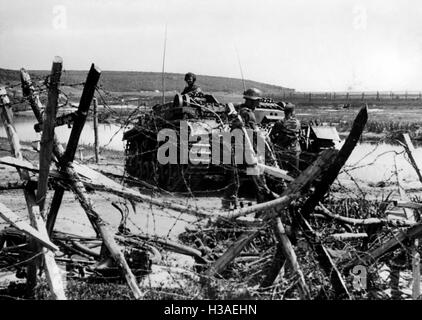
{"x": 332, "y": 172}
{"x": 82, "y": 113}
{"x": 96, "y": 144}
{"x": 6, "y": 116}
{"x": 47, "y": 137}
{"x": 52, "y": 271}
{"x": 31, "y": 94}
{"x": 69, "y": 155}
{"x": 321, "y": 189}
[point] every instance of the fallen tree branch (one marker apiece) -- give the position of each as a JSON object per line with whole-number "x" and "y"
{"x": 346, "y": 236}
{"x": 167, "y": 244}
{"x": 231, "y": 253}
{"x": 368, "y": 221}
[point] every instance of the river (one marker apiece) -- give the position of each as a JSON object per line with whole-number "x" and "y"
{"x": 110, "y": 135}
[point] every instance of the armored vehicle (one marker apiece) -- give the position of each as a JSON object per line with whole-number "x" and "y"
{"x": 201, "y": 118}
{"x": 206, "y": 119}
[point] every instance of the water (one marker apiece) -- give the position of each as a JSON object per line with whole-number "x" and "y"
{"x": 373, "y": 163}
{"x": 368, "y": 162}
{"x": 110, "y": 135}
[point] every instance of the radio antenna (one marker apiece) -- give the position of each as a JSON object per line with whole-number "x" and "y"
{"x": 240, "y": 67}
{"x": 164, "y": 60}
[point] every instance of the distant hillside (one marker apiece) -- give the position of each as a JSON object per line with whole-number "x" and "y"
{"x": 125, "y": 81}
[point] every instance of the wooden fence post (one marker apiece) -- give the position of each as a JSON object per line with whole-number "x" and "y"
{"x": 47, "y": 137}
{"x": 71, "y": 148}
{"x": 30, "y": 93}
{"x": 98, "y": 224}
{"x": 96, "y": 143}
{"x": 79, "y": 122}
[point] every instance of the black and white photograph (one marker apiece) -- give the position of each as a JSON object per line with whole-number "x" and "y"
{"x": 226, "y": 152}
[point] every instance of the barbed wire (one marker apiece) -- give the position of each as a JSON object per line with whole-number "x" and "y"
{"x": 192, "y": 200}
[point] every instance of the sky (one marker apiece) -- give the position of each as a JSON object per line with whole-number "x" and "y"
{"x": 312, "y": 45}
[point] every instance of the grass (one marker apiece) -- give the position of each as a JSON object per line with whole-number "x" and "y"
{"x": 129, "y": 81}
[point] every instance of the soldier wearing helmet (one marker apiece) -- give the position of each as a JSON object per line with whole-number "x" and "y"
{"x": 285, "y": 136}
{"x": 246, "y": 111}
{"x": 191, "y": 87}
{"x": 252, "y": 98}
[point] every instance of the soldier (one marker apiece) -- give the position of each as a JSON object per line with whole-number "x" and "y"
{"x": 246, "y": 111}
{"x": 191, "y": 87}
{"x": 285, "y": 135}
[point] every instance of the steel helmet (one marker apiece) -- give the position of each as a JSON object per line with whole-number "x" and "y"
{"x": 289, "y": 107}
{"x": 282, "y": 104}
{"x": 252, "y": 94}
{"x": 190, "y": 75}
